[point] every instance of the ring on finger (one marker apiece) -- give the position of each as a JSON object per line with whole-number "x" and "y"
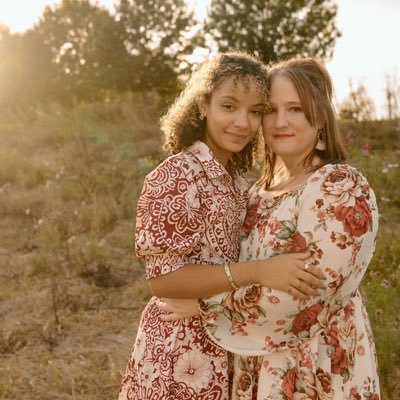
{"x": 306, "y": 267}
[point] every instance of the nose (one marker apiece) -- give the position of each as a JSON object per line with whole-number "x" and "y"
{"x": 241, "y": 119}
{"x": 281, "y": 119}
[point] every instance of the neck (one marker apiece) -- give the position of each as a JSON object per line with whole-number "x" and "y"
{"x": 294, "y": 168}
{"x": 291, "y": 173}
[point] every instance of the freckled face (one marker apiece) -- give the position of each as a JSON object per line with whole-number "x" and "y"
{"x": 285, "y": 127}
{"x": 233, "y": 118}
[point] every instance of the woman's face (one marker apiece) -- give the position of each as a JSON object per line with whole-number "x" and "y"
{"x": 233, "y": 117}
{"x": 285, "y": 127}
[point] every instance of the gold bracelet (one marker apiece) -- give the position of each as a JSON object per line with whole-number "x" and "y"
{"x": 229, "y": 276}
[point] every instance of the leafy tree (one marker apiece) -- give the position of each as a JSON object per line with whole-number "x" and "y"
{"x": 274, "y": 29}
{"x": 357, "y": 106}
{"x": 87, "y": 47}
{"x": 156, "y": 37}
{"x": 26, "y": 71}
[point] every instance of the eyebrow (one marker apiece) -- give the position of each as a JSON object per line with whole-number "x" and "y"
{"x": 289, "y": 103}
{"x": 227, "y": 96}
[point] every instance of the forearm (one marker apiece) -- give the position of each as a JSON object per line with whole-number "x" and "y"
{"x": 196, "y": 281}
{"x": 283, "y": 272}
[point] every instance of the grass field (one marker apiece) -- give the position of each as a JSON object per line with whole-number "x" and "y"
{"x": 71, "y": 291}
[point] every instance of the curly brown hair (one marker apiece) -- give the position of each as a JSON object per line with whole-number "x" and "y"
{"x": 182, "y": 125}
{"x": 315, "y": 89}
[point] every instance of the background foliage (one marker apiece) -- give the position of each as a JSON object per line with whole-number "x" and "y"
{"x": 274, "y": 29}
{"x": 80, "y": 51}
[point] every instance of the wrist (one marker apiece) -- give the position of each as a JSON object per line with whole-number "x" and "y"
{"x": 257, "y": 271}
{"x": 253, "y": 272}
{"x": 229, "y": 276}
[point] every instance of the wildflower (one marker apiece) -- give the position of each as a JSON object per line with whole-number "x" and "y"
{"x": 71, "y": 239}
{"x": 385, "y": 284}
{"x": 5, "y": 187}
{"x": 38, "y": 224}
{"x": 366, "y": 148}
{"x": 349, "y": 137}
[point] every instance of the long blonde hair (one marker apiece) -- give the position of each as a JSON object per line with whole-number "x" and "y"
{"x": 314, "y": 87}
{"x": 182, "y": 125}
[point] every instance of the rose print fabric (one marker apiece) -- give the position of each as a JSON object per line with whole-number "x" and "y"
{"x": 190, "y": 211}
{"x": 316, "y": 349}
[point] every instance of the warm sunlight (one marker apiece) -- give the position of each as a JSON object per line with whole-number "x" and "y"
{"x": 365, "y": 52}
{"x": 123, "y": 165}
{"x": 20, "y": 14}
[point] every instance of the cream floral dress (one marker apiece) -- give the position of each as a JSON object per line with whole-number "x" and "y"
{"x": 321, "y": 348}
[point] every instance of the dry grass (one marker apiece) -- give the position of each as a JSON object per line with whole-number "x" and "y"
{"x": 71, "y": 291}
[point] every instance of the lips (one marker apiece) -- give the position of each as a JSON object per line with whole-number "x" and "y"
{"x": 237, "y": 136}
{"x": 282, "y": 136}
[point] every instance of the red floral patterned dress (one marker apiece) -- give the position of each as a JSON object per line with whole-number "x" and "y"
{"x": 320, "y": 349}
{"x": 190, "y": 211}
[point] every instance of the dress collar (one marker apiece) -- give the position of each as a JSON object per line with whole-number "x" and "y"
{"x": 212, "y": 167}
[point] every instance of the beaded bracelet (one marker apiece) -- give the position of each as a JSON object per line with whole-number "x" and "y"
{"x": 228, "y": 274}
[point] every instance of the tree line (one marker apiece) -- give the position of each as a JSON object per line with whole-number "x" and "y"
{"x": 79, "y": 50}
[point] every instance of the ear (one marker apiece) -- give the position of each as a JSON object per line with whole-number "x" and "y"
{"x": 320, "y": 124}
{"x": 203, "y": 106}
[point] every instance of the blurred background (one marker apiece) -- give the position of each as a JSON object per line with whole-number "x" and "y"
{"x": 82, "y": 87}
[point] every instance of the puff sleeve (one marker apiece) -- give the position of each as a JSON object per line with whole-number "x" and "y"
{"x": 169, "y": 220}
{"x": 336, "y": 218}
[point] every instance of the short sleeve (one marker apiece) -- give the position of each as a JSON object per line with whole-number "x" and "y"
{"x": 337, "y": 220}
{"x": 169, "y": 221}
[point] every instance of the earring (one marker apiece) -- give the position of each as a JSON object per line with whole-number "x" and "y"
{"x": 320, "y": 145}
{"x": 202, "y": 116}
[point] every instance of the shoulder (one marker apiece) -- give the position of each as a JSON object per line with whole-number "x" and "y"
{"x": 176, "y": 167}
{"x": 338, "y": 184}
{"x": 337, "y": 176}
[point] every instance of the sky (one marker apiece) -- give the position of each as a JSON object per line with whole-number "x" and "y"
{"x": 368, "y": 49}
